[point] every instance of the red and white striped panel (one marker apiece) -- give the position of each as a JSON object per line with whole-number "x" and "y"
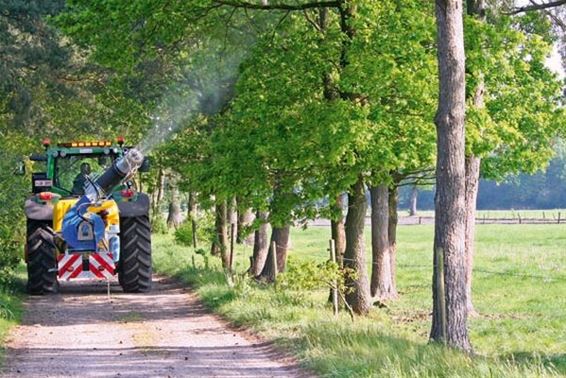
{"x": 102, "y": 265}
{"x": 70, "y": 266}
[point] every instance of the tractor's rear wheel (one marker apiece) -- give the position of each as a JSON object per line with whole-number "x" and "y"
{"x": 134, "y": 272}
{"x": 41, "y": 258}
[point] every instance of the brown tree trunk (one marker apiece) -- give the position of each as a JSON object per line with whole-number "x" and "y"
{"x": 245, "y": 219}
{"x": 475, "y": 8}
{"x": 449, "y": 316}
{"x": 221, "y": 242}
{"x": 337, "y": 230}
{"x": 261, "y": 244}
{"x": 158, "y": 198}
{"x": 358, "y": 295}
{"x": 192, "y": 215}
{"x": 393, "y": 221}
{"x": 279, "y": 235}
{"x": 472, "y": 184}
{"x": 174, "y": 218}
{"x": 413, "y": 204}
{"x": 381, "y": 285}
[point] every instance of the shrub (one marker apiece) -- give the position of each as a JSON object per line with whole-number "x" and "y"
{"x": 205, "y": 230}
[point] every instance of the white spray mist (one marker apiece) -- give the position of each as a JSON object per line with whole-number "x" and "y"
{"x": 205, "y": 86}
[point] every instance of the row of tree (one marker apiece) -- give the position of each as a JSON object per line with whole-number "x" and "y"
{"x": 276, "y": 107}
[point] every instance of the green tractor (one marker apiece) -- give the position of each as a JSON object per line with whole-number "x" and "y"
{"x": 85, "y": 218}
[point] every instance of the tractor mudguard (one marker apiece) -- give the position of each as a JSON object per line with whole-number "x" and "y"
{"x": 37, "y": 211}
{"x": 137, "y": 208}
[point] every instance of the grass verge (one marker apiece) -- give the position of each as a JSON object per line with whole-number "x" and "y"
{"x": 11, "y": 296}
{"x": 518, "y": 291}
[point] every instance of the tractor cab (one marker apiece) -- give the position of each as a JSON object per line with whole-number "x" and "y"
{"x": 69, "y": 167}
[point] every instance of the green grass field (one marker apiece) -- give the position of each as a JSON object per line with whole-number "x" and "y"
{"x": 505, "y": 214}
{"x": 519, "y": 287}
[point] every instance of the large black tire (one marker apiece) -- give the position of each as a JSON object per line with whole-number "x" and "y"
{"x": 134, "y": 271}
{"x": 42, "y": 258}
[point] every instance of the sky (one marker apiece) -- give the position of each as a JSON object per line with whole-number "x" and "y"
{"x": 554, "y": 61}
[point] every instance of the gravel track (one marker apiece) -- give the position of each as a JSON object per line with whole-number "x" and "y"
{"x": 165, "y": 333}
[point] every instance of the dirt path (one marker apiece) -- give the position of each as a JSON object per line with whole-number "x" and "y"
{"x": 166, "y": 333}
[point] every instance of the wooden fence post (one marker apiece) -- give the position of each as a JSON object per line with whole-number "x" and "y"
{"x": 334, "y": 282}
{"x": 559, "y": 217}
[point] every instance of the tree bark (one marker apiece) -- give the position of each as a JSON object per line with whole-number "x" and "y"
{"x": 221, "y": 242}
{"x": 358, "y": 295}
{"x": 279, "y": 235}
{"x": 449, "y": 316}
{"x": 245, "y": 219}
{"x": 393, "y": 221}
{"x": 413, "y": 205}
{"x": 158, "y": 198}
{"x": 192, "y": 215}
{"x": 472, "y": 184}
{"x": 475, "y": 8}
{"x": 261, "y": 244}
{"x": 337, "y": 230}
{"x": 174, "y": 218}
{"x": 381, "y": 285}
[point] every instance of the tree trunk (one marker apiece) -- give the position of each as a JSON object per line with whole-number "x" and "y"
{"x": 449, "y": 316}
{"x": 245, "y": 219}
{"x": 413, "y": 205}
{"x": 279, "y": 235}
{"x": 472, "y": 184}
{"x": 220, "y": 244}
{"x": 358, "y": 295}
{"x": 261, "y": 244}
{"x": 381, "y": 285}
{"x": 156, "y": 205}
{"x": 192, "y": 215}
{"x": 475, "y": 8}
{"x": 393, "y": 221}
{"x": 338, "y": 233}
{"x": 174, "y": 218}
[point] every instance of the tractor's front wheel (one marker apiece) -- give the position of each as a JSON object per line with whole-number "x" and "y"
{"x": 41, "y": 258}
{"x": 134, "y": 272}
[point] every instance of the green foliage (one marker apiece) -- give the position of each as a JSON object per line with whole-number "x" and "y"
{"x": 159, "y": 225}
{"x": 13, "y": 190}
{"x": 523, "y": 114}
{"x": 205, "y": 230}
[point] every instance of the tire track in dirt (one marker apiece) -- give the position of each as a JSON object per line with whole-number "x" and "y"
{"x": 165, "y": 333}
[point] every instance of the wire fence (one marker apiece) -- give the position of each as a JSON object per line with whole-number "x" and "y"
{"x": 478, "y": 270}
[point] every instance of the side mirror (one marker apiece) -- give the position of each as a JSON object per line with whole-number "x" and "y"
{"x": 38, "y": 157}
{"x": 20, "y": 168}
{"x": 145, "y": 165}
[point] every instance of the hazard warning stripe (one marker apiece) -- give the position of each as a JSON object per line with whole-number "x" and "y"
{"x": 70, "y": 270}
{"x": 100, "y": 258}
{"x": 98, "y": 269}
{"x": 77, "y": 271}
{"x": 94, "y": 270}
{"x": 66, "y": 262}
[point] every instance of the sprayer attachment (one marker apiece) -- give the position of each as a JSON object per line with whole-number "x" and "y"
{"x": 120, "y": 169}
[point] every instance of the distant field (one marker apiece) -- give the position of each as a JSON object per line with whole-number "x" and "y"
{"x": 504, "y": 214}
{"x": 519, "y": 286}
